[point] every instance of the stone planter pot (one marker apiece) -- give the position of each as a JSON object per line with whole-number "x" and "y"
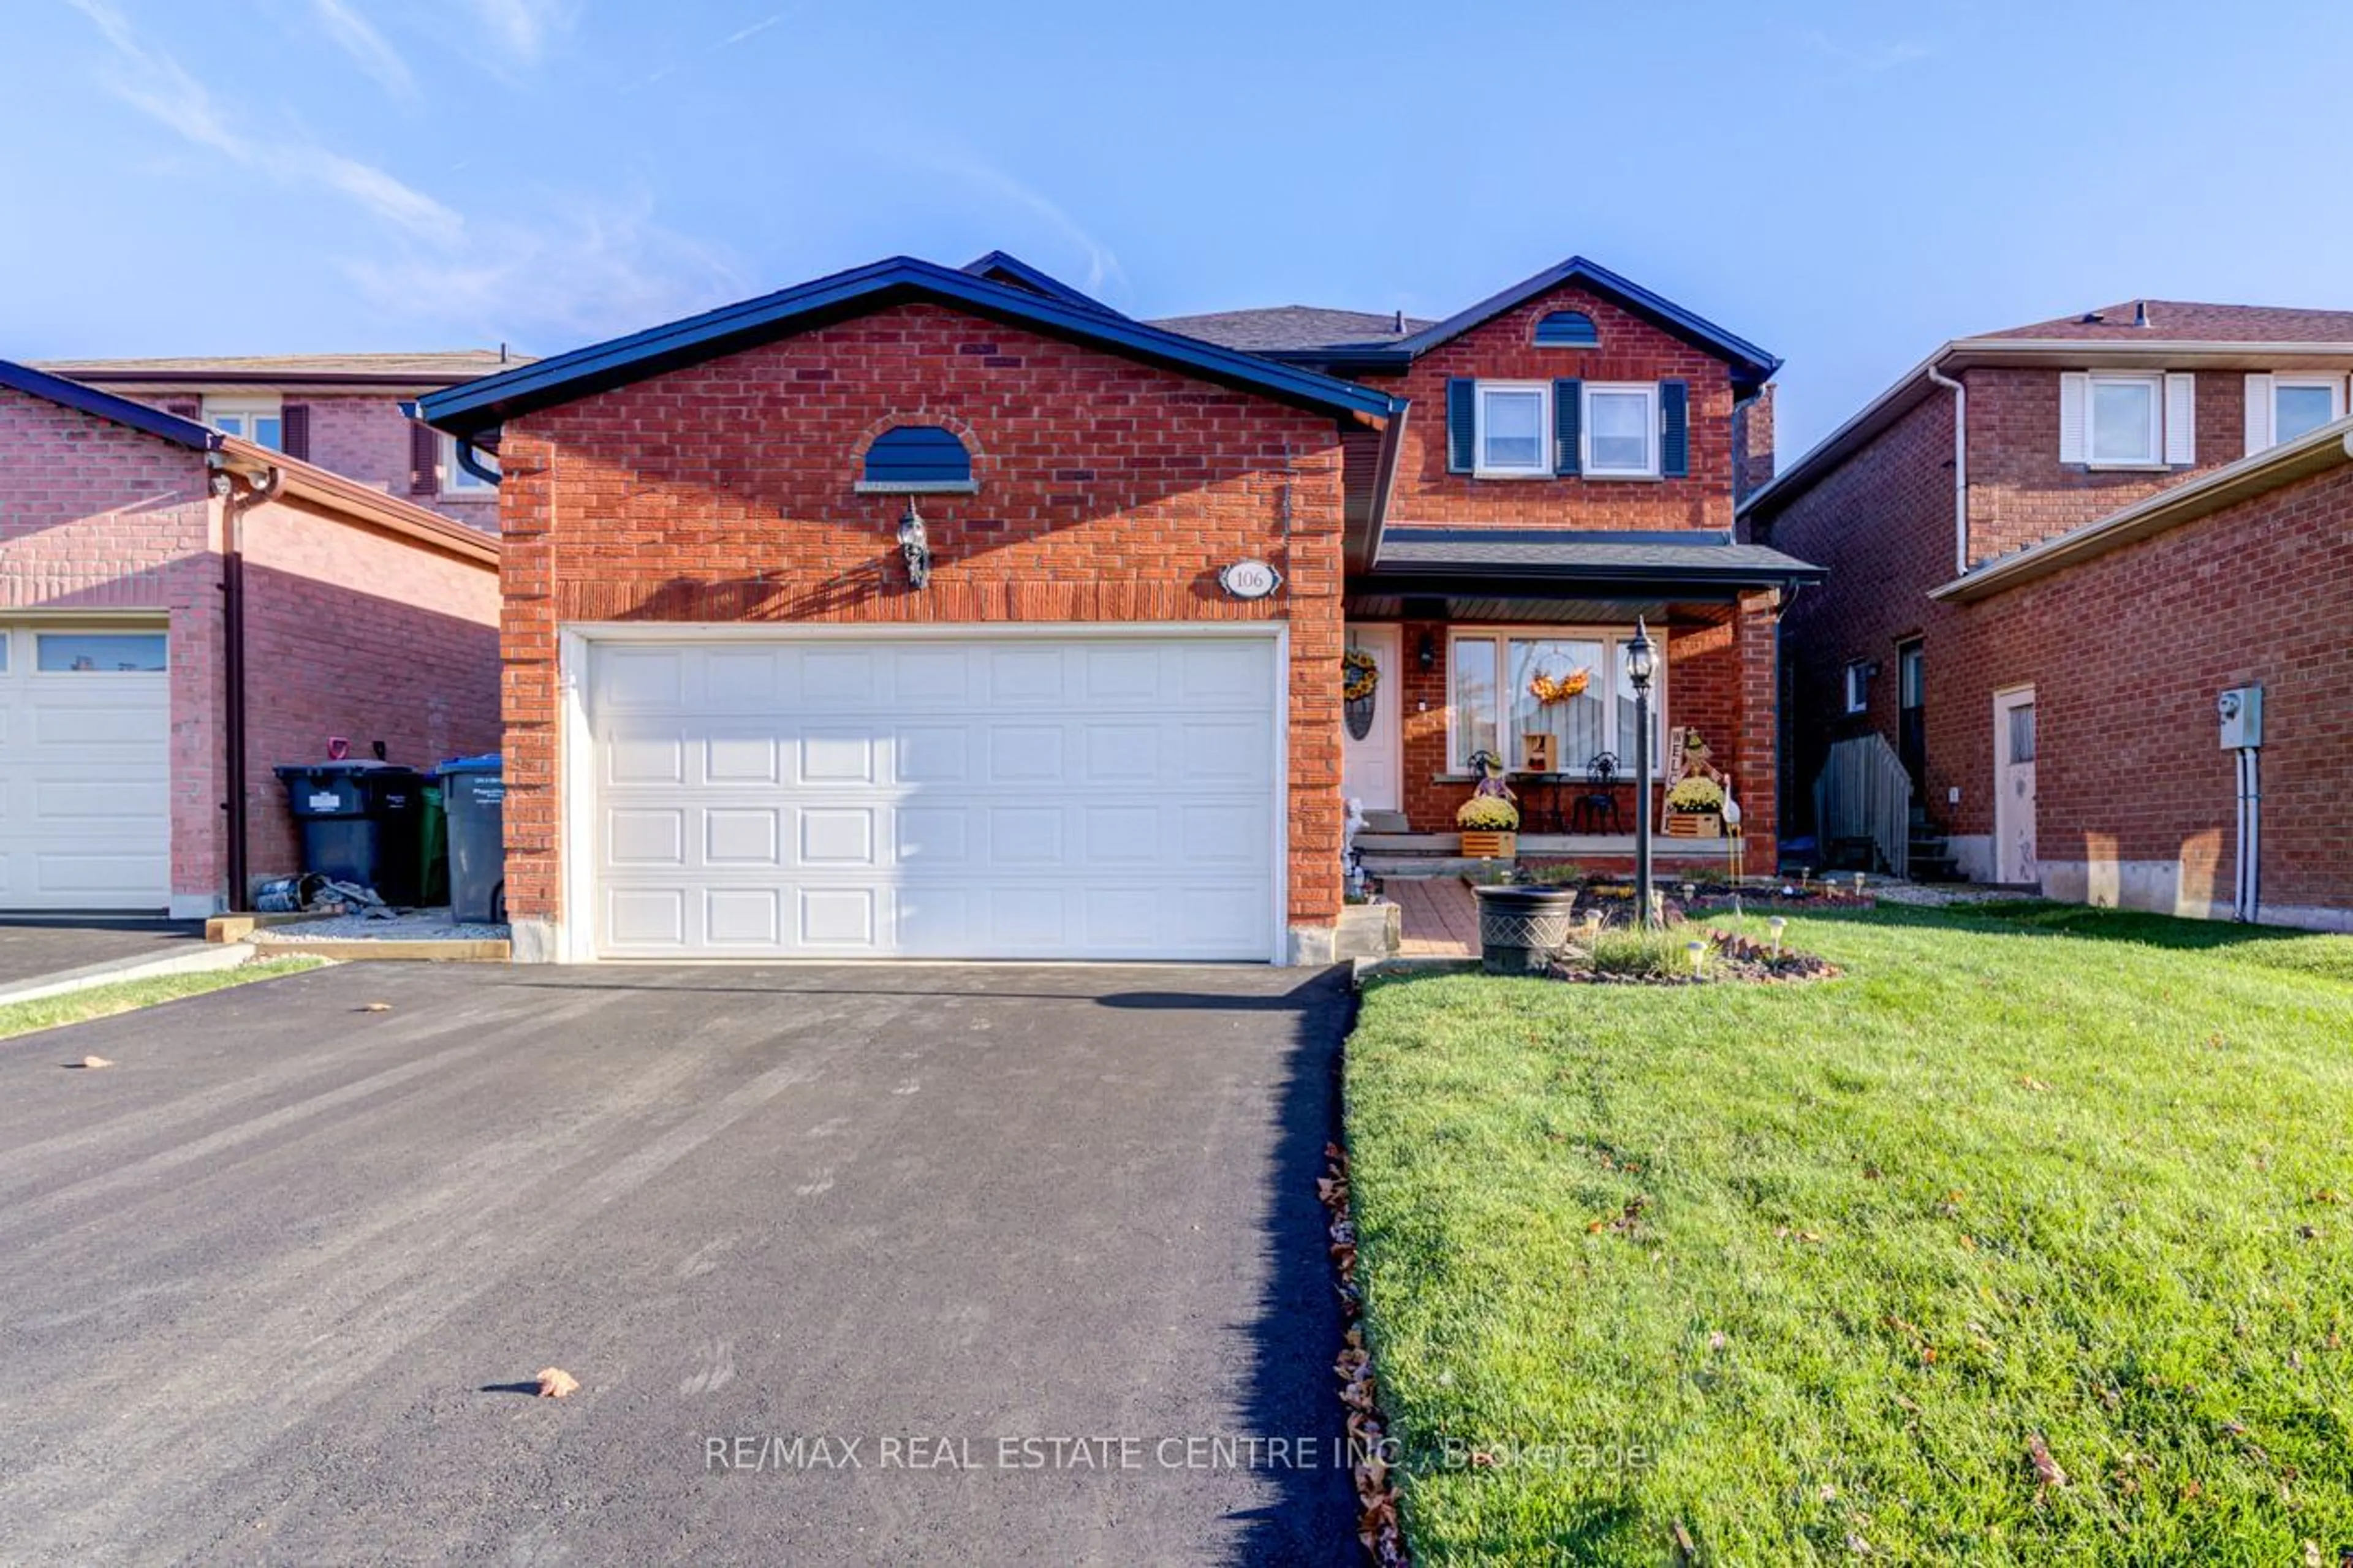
{"x": 1520, "y": 928}
{"x": 1480, "y": 845}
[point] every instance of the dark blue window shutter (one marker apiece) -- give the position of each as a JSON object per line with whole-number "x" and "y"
{"x": 1567, "y": 425}
{"x": 1675, "y": 436}
{"x": 1461, "y": 424}
{"x": 918, "y": 455}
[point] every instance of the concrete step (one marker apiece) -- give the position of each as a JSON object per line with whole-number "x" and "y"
{"x": 1383, "y": 822}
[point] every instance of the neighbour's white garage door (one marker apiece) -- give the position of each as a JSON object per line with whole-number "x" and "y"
{"x": 990, "y": 796}
{"x": 85, "y": 767}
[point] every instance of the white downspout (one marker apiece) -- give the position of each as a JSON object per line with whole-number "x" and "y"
{"x": 1960, "y": 468}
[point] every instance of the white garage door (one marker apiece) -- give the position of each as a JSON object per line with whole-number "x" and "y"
{"x": 85, "y": 768}
{"x": 991, "y": 796}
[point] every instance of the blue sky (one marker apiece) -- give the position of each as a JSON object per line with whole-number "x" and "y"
{"x": 1848, "y": 184}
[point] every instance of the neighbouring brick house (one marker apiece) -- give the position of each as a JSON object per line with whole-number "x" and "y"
{"x": 2148, "y": 506}
{"x": 340, "y": 412}
{"x": 130, "y": 540}
{"x": 919, "y": 611}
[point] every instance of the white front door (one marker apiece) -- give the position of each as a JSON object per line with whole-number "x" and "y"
{"x": 85, "y": 766}
{"x": 1371, "y": 763}
{"x": 2013, "y": 787}
{"x": 973, "y": 793}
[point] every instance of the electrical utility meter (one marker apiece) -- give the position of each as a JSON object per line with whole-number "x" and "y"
{"x": 2241, "y": 710}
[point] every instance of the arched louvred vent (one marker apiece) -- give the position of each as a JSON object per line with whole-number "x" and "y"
{"x": 1567, "y": 329}
{"x": 918, "y": 457}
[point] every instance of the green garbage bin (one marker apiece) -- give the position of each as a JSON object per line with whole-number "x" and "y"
{"x": 433, "y": 843}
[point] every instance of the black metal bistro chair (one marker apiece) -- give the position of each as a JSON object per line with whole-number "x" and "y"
{"x": 1599, "y": 804}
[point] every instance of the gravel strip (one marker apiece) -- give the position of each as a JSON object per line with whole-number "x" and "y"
{"x": 415, "y": 925}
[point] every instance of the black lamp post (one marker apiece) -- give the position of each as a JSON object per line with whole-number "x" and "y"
{"x": 1640, "y": 656}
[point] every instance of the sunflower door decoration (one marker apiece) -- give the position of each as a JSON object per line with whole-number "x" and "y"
{"x": 1360, "y": 678}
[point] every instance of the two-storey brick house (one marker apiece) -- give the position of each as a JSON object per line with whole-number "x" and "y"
{"x": 345, "y": 412}
{"x": 2053, "y": 550}
{"x": 923, "y": 611}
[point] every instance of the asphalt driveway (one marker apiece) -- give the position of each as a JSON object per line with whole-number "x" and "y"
{"x": 32, "y": 946}
{"x": 874, "y": 1265}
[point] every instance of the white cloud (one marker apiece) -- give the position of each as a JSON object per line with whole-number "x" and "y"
{"x": 525, "y": 27}
{"x": 591, "y": 270}
{"x": 1870, "y": 57}
{"x": 987, "y": 179}
{"x": 152, "y": 81}
{"x": 403, "y": 206}
{"x": 358, "y": 36}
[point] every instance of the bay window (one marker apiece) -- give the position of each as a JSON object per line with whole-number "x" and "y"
{"x": 1494, "y": 704}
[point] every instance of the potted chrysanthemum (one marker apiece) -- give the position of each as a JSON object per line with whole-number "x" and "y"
{"x": 1696, "y": 809}
{"x": 1490, "y": 826}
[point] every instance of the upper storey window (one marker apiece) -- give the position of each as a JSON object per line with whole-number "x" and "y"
{"x": 1514, "y": 425}
{"x": 1570, "y": 429}
{"x": 2283, "y": 406}
{"x": 2127, "y": 418}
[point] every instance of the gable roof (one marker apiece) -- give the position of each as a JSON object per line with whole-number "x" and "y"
{"x": 105, "y": 405}
{"x": 1294, "y": 327}
{"x": 2187, "y": 321}
{"x": 476, "y": 407}
{"x": 443, "y": 367}
{"x": 1003, "y": 267}
{"x": 1752, "y": 367}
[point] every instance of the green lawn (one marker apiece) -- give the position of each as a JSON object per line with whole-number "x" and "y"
{"x": 129, "y": 996}
{"x": 1799, "y": 1273}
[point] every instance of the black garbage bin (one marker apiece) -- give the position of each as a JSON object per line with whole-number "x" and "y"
{"x": 473, "y": 793}
{"x": 359, "y": 823}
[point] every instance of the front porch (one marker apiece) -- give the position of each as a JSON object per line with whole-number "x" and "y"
{"x": 1514, "y": 644}
{"x": 1405, "y": 855}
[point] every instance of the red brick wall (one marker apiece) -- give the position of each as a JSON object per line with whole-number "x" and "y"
{"x": 1504, "y": 349}
{"x": 2125, "y": 653}
{"x": 1109, "y": 491}
{"x": 1883, "y": 525}
{"x": 362, "y": 634}
{"x": 94, "y": 516}
{"x": 2020, "y": 493}
{"x": 1752, "y": 445}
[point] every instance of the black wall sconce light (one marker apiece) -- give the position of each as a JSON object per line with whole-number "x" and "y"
{"x": 1426, "y": 654}
{"x": 915, "y": 547}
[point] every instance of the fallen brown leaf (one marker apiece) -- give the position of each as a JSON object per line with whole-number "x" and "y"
{"x": 1686, "y": 1548}
{"x": 374, "y": 1007}
{"x": 554, "y": 1382}
{"x": 92, "y": 1064}
{"x": 2046, "y": 1468}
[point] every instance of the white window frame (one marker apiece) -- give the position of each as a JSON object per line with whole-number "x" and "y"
{"x": 1612, "y": 639}
{"x": 1857, "y": 689}
{"x": 1479, "y": 467}
{"x": 456, "y": 478}
{"x": 245, "y": 409}
{"x": 2152, "y": 379}
{"x": 1649, "y": 392}
{"x": 2333, "y": 384}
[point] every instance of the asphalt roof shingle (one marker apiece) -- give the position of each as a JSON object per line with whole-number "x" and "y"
{"x": 2187, "y": 320}
{"x": 1284, "y": 327}
{"x": 450, "y": 364}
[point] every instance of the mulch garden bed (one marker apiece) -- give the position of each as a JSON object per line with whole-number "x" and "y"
{"x": 1736, "y": 958}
